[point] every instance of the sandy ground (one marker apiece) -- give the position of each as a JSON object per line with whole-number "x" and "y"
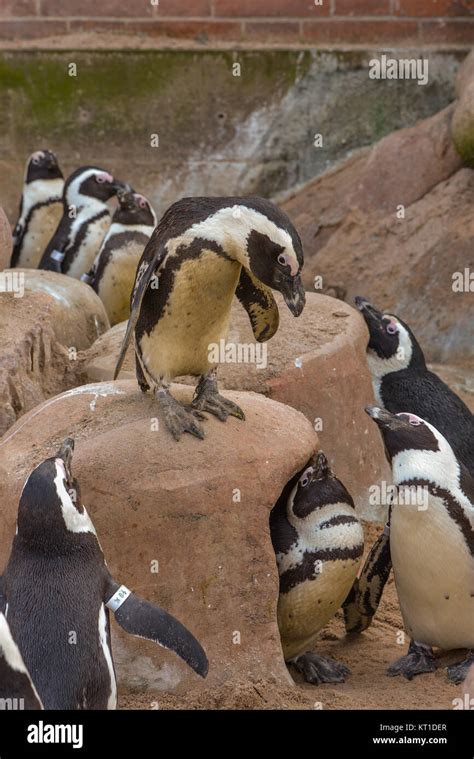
{"x": 368, "y": 655}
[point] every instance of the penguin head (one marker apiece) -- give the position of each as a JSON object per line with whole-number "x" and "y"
{"x": 90, "y": 183}
{"x": 415, "y": 448}
{"x": 42, "y": 164}
{"x": 392, "y": 345}
{"x": 134, "y": 209}
{"x": 50, "y": 509}
{"x": 272, "y": 249}
{"x": 311, "y": 488}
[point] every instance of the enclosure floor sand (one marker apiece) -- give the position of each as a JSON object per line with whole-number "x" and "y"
{"x": 368, "y": 655}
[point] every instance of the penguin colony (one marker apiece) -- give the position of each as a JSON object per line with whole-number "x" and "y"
{"x": 175, "y": 282}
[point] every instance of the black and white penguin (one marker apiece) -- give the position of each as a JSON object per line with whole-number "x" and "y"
{"x": 431, "y": 543}
{"x": 41, "y": 208}
{"x": 113, "y": 274}
{"x": 16, "y": 688}
{"x": 84, "y": 222}
{"x": 202, "y": 253}
{"x": 57, "y": 593}
{"x": 318, "y": 542}
{"x": 402, "y": 382}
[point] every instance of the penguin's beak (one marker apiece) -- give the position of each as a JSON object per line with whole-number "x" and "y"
{"x": 369, "y": 312}
{"x": 65, "y": 452}
{"x": 320, "y": 466}
{"x": 384, "y": 419}
{"x": 122, "y": 188}
{"x": 293, "y": 292}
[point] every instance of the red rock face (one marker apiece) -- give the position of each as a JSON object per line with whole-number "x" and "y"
{"x": 361, "y": 241}
{"x": 5, "y": 241}
{"x": 196, "y": 511}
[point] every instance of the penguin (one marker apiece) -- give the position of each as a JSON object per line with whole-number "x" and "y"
{"x": 57, "y": 593}
{"x": 402, "y": 382}
{"x": 84, "y": 222}
{"x": 318, "y": 542}
{"x": 203, "y": 251}
{"x": 431, "y": 544}
{"x": 16, "y": 688}
{"x": 113, "y": 273}
{"x": 40, "y": 209}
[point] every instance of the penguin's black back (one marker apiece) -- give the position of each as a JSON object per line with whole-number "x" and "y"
{"x": 53, "y": 598}
{"x": 423, "y": 393}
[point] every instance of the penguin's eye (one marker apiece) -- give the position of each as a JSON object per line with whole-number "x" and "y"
{"x": 36, "y": 161}
{"x": 282, "y": 260}
{"x": 100, "y": 178}
{"x": 392, "y": 328}
{"x": 306, "y": 477}
{"x": 142, "y": 204}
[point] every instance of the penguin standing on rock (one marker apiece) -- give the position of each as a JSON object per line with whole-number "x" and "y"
{"x": 84, "y": 223}
{"x": 402, "y": 382}
{"x": 430, "y": 544}
{"x": 57, "y": 592}
{"x": 202, "y": 253}
{"x": 113, "y": 274}
{"x": 16, "y": 686}
{"x": 318, "y": 542}
{"x": 40, "y": 209}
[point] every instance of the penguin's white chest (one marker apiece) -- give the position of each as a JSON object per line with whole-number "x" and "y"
{"x": 196, "y": 316}
{"x": 116, "y": 283}
{"x": 41, "y": 227}
{"x": 87, "y": 239}
{"x": 434, "y": 575}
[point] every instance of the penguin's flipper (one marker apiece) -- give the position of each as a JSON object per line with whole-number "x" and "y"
{"x": 15, "y": 680}
{"x": 364, "y": 597}
{"x": 139, "y": 617}
{"x": 55, "y": 252}
{"x": 261, "y": 306}
{"x": 17, "y": 238}
{"x": 151, "y": 260}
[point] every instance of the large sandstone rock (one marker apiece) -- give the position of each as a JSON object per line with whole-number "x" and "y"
{"x": 199, "y": 508}
{"x": 5, "y": 241}
{"x": 316, "y": 364}
{"x": 347, "y": 219}
{"x": 41, "y": 335}
{"x": 463, "y": 118}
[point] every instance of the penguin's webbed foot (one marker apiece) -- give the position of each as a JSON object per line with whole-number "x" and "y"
{"x": 321, "y": 669}
{"x": 419, "y": 660}
{"x": 178, "y": 419}
{"x": 207, "y": 398}
{"x": 457, "y": 672}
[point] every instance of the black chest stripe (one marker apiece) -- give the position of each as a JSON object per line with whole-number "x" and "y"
{"x": 308, "y": 570}
{"x": 453, "y": 507}
{"x": 79, "y": 239}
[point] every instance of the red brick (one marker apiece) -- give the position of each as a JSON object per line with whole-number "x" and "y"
{"x": 183, "y": 8}
{"x": 84, "y": 8}
{"x": 362, "y": 8}
{"x": 177, "y": 29}
{"x": 17, "y": 8}
{"x": 448, "y": 32}
{"x": 17, "y": 30}
{"x": 433, "y": 7}
{"x": 364, "y": 32}
{"x": 288, "y": 31}
{"x": 265, "y": 8}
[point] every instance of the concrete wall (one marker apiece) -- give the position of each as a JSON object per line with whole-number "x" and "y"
{"x": 218, "y": 133}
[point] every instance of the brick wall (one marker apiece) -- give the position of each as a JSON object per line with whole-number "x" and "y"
{"x": 371, "y": 22}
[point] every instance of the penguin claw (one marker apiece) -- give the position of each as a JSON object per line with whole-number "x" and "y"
{"x": 419, "y": 660}
{"x": 178, "y": 419}
{"x": 457, "y": 672}
{"x": 219, "y": 406}
{"x": 321, "y": 669}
